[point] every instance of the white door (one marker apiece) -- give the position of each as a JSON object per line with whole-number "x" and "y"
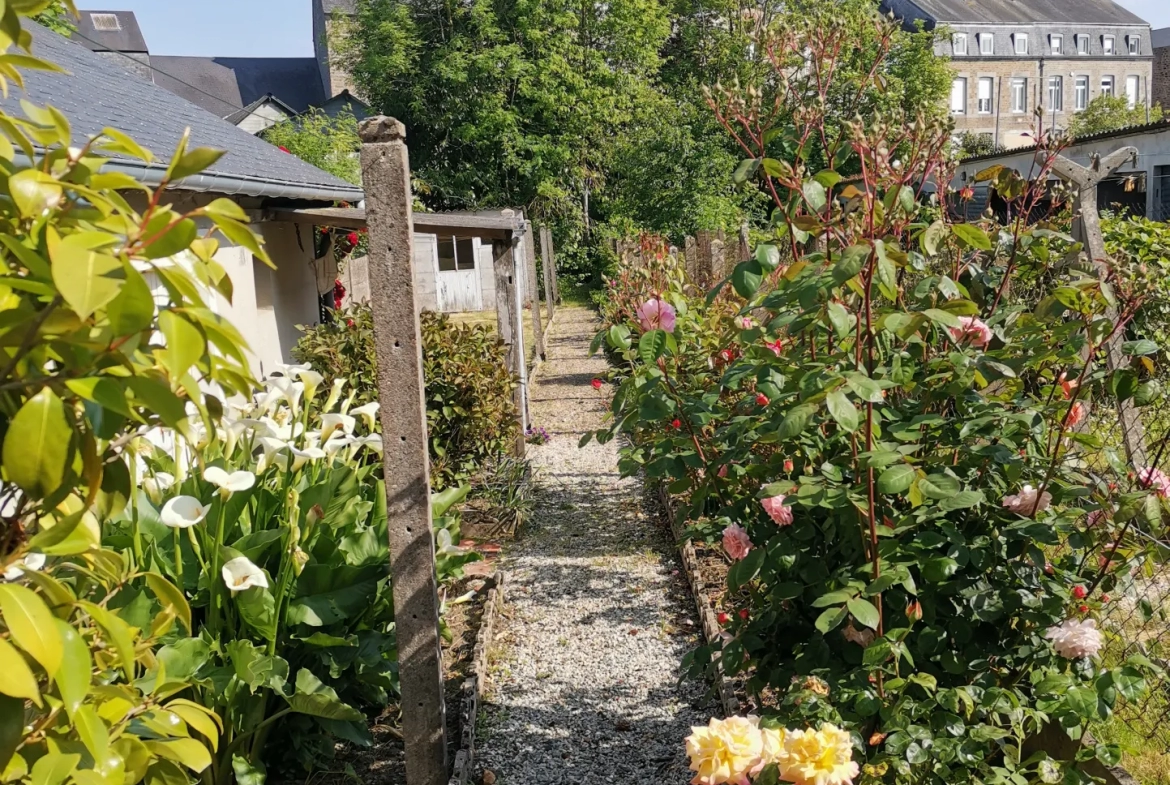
{"x": 457, "y": 274}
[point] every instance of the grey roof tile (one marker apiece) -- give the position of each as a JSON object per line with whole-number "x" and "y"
{"x": 126, "y": 39}
{"x": 1097, "y": 12}
{"x": 1161, "y": 37}
{"x": 96, "y": 93}
{"x": 234, "y": 82}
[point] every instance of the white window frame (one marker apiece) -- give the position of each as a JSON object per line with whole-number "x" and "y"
{"x": 1056, "y": 44}
{"x": 1081, "y": 93}
{"x": 1108, "y": 45}
{"x": 1021, "y": 42}
{"x": 1084, "y": 44}
{"x": 1108, "y": 85}
{"x": 1133, "y": 97}
{"x": 985, "y": 104}
{"x": 1135, "y": 45}
{"x": 959, "y": 90}
{"x": 1020, "y": 91}
{"x": 959, "y": 44}
{"x": 1056, "y": 94}
{"x": 987, "y": 43}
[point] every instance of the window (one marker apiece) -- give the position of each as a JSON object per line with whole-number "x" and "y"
{"x": 1132, "y": 90}
{"x": 959, "y": 96}
{"x": 1135, "y": 44}
{"x": 986, "y": 85}
{"x": 1081, "y": 99}
{"x": 1107, "y": 44}
{"x": 1019, "y": 94}
{"x": 105, "y": 22}
{"x": 960, "y": 43}
{"x": 1021, "y": 43}
{"x": 1056, "y": 43}
{"x": 456, "y": 253}
{"x": 1082, "y": 44}
{"x": 1107, "y": 85}
{"x": 986, "y": 44}
{"x": 1056, "y": 93}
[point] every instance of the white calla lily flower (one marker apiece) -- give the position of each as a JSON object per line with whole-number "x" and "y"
{"x": 240, "y": 574}
{"x": 32, "y": 562}
{"x": 312, "y": 380}
{"x": 348, "y": 402}
{"x": 336, "y": 444}
{"x": 183, "y": 512}
{"x": 308, "y": 454}
{"x": 334, "y": 395}
{"x": 335, "y": 422}
{"x": 368, "y": 412}
{"x": 157, "y": 484}
{"x": 373, "y": 442}
{"x": 229, "y": 483}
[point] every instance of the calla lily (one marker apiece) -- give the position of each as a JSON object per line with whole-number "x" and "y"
{"x": 183, "y": 512}
{"x": 32, "y": 562}
{"x": 368, "y": 412}
{"x": 290, "y": 391}
{"x": 334, "y": 394}
{"x": 312, "y": 380}
{"x": 338, "y": 443}
{"x": 373, "y": 442}
{"x": 335, "y": 422}
{"x": 157, "y": 484}
{"x": 307, "y": 454}
{"x": 240, "y": 574}
{"x": 291, "y": 369}
{"x": 229, "y": 483}
{"x": 231, "y": 435}
{"x": 348, "y": 402}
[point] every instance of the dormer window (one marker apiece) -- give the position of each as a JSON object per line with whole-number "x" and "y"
{"x": 986, "y": 44}
{"x": 1107, "y": 44}
{"x": 959, "y": 41}
{"x": 1082, "y": 44}
{"x": 1055, "y": 43}
{"x": 1021, "y": 43}
{"x": 1135, "y": 45}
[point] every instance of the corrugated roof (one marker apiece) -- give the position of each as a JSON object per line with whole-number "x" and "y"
{"x": 97, "y": 93}
{"x": 127, "y": 38}
{"x": 1095, "y": 12}
{"x": 235, "y": 82}
{"x": 1132, "y": 130}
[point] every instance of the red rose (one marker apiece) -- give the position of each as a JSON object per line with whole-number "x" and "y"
{"x": 676, "y": 423}
{"x": 1083, "y": 609}
{"x": 283, "y": 149}
{"x": 788, "y": 464}
{"x": 743, "y": 614}
{"x": 762, "y": 400}
{"x": 349, "y": 322}
{"x": 1049, "y": 569}
{"x": 1104, "y": 598}
{"x": 1080, "y": 592}
{"x": 353, "y": 238}
{"x": 721, "y": 617}
{"x": 914, "y": 611}
{"x": 596, "y": 384}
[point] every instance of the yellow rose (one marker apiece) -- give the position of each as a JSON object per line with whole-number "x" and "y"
{"x": 725, "y": 751}
{"x": 771, "y": 749}
{"x": 818, "y": 757}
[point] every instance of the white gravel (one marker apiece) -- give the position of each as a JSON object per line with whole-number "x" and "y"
{"x": 586, "y": 672}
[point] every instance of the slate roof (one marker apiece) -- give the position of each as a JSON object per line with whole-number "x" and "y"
{"x": 97, "y": 93}
{"x": 238, "y": 117}
{"x": 1160, "y": 38}
{"x": 128, "y": 39}
{"x": 224, "y": 85}
{"x": 1096, "y": 12}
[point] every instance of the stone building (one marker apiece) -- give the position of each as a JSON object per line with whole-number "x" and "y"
{"x": 1015, "y": 60}
{"x": 1161, "y": 80}
{"x": 330, "y": 18}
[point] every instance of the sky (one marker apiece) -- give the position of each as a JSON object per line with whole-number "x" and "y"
{"x": 284, "y": 28}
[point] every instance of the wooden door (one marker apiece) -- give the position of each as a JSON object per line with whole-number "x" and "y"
{"x": 458, "y": 274}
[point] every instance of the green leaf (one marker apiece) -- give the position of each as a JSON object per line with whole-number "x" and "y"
{"x": 896, "y": 479}
{"x": 939, "y": 486}
{"x": 118, "y": 634}
{"x": 815, "y": 195}
{"x": 651, "y": 346}
{"x": 34, "y": 192}
{"x": 86, "y": 279}
{"x": 318, "y": 700}
{"x": 74, "y": 675}
{"x": 747, "y": 278}
{"x": 54, "y": 768}
{"x": 864, "y": 611}
{"x": 132, "y": 311}
{"x": 843, "y": 322}
{"x": 247, "y": 772}
{"x": 962, "y": 500}
{"x": 1083, "y": 701}
{"x": 171, "y": 240}
{"x": 226, "y": 208}
{"x": 972, "y": 236}
{"x": 796, "y": 420}
{"x": 185, "y": 343}
{"x": 255, "y": 668}
{"x": 241, "y": 235}
{"x": 849, "y": 265}
{"x": 16, "y": 678}
{"x": 1109, "y": 754}
{"x": 11, "y": 728}
{"x": 193, "y": 162}
{"x": 1139, "y": 348}
{"x": 830, "y": 619}
{"x": 939, "y": 569}
{"x": 1129, "y": 682}
{"x": 767, "y": 256}
{"x": 36, "y": 446}
{"x": 171, "y": 598}
{"x": 933, "y": 237}
{"x": 843, "y": 410}
{"x": 32, "y": 625}
{"x": 257, "y": 608}
{"x": 92, "y": 731}
{"x": 188, "y": 752}
{"x": 864, "y": 387}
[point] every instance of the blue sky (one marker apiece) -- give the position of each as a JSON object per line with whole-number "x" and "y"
{"x": 284, "y": 28}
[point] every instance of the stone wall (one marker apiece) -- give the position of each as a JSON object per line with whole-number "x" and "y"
{"x": 1161, "y": 78}
{"x": 328, "y": 25}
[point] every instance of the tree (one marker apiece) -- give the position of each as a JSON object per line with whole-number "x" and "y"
{"x": 1110, "y": 113}
{"x": 57, "y": 17}
{"x": 329, "y": 143}
{"x": 970, "y": 144}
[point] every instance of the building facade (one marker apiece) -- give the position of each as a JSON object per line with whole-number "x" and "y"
{"x": 1161, "y": 81}
{"x": 1027, "y": 64}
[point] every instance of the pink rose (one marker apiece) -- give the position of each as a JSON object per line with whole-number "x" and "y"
{"x": 1028, "y": 501}
{"x": 654, "y": 314}
{"x": 777, "y": 511}
{"x": 736, "y": 542}
{"x": 1156, "y": 480}
{"x": 1076, "y": 415}
{"x": 776, "y": 346}
{"x": 971, "y": 331}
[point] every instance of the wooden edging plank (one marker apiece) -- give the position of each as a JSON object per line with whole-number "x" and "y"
{"x": 473, "y": 685}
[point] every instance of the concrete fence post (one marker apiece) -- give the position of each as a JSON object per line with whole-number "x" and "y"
{"x": 406, "y": 465}
{"x": 532, "y": 289}
{"x": 508, "y": 324}
{"x": 551, "y": 260}
{"x": 546, "y": 265}
{"x": 691, "y": 254}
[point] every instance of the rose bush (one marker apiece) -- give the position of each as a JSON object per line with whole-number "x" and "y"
{"x": 884, "y": 441}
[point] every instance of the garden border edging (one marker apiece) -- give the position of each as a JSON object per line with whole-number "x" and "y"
{"x": 473, "y": 685}
{"x": 703, "y": 604}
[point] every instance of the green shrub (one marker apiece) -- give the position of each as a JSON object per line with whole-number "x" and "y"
{"x": 471, "y": 413}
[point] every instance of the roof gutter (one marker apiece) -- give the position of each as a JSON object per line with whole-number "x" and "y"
{"x": 233, "y": 185}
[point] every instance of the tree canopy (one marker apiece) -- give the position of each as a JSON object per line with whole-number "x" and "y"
{"x": 1110, "y": 113}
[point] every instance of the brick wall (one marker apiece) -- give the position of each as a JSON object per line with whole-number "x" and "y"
{"x": 1161, "y": 78}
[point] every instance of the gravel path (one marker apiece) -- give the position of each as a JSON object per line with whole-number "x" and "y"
{"x": 586, "y": 677}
